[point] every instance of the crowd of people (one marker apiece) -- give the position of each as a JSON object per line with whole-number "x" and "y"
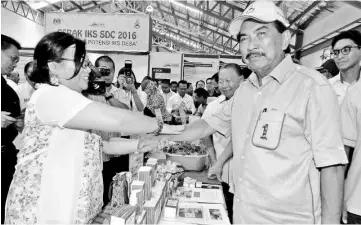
{"x": 283, "y": 138}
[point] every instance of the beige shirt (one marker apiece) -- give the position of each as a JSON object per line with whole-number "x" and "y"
{"x": 340, "y": 87}
{"x": 167, "y": 96}
{"x": 351, "y": 130}
{"x": 219, "y": 141}
{"x": 276, "y": 152}
{"x": 177, "y": 100}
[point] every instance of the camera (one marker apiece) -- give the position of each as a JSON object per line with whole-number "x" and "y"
{"x": 104, "y": 72}
{"x": 96, "y": 86}
{"x": 128, "y": 72}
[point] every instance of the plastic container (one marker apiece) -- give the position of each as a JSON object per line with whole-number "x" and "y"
{"x": 189, "y": 162}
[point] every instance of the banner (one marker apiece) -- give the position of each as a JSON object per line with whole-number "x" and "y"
{"x": 224, "y": 59}
{"x": 199, "y": 67}
{"x": 164, "y": 65}
{"x": 104, "y": 32}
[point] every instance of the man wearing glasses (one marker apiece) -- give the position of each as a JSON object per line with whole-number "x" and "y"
{"x": 346, "y": 51}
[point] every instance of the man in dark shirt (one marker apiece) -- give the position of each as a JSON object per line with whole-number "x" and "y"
{"x": 10, "y": 110}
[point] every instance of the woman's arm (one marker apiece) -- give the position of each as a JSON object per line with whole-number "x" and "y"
{"x": 121, "y": 146}
{"x": 137, "y": 101}
{"x": 98, "y": 116}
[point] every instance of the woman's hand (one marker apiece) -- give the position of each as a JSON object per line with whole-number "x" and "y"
{"x": 148, "y": 143}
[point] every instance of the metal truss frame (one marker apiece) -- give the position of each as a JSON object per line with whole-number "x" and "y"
{"x": 23, "y": 9}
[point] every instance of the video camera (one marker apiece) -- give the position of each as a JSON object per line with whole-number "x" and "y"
{"x": 95, "y": 85}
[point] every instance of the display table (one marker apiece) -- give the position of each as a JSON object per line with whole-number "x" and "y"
{"x": 164, "y": 194}
{"x": 208, "y": 207}
{"x": 201, "y": 176}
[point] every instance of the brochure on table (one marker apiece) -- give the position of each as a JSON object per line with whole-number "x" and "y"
{"x": 196, "y": 213}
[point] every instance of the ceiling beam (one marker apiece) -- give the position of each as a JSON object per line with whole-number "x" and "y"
{"x": 195, "y": 24}
{"x": 174, "y": 40}
{"x": 307, "y": 10}
{"x": 356, "y": 4}
{"x": 232, "y": 6}
{"x": 171, "y": 26}
{"x": 204, "y": 11}
{"x": 96, "y": 5}
{"x": 74, "y": 8}
{"x": 77, "y": 5}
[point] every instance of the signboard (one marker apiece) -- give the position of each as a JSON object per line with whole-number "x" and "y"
{"x": 104, "y": 32}
{"x": 199, "y": 67}
{"x": 164, "y": 65}
{"x": 224, "y": 59}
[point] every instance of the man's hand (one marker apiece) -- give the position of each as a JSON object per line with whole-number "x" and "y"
{"x": 6, "y": 120}
{"x": 148, "y": 143}
{"x": 215, "y": 172}
{"x": 19, "y": 124}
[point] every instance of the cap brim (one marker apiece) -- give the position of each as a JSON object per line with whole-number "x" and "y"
{"x": 236, "y": 23}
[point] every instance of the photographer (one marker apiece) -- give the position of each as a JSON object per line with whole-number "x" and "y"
{"x": 101, "y": 89}
{"x": 135, "y": 98}
{"x": 107, "y": 94}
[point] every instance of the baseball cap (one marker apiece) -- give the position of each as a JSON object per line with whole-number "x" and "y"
{"x": 263, "y": 11}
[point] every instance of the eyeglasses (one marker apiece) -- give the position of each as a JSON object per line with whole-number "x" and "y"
{"x": 345, "y": 51}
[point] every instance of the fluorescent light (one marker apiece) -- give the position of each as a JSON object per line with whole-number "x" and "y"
{"x": 184, "y": 6}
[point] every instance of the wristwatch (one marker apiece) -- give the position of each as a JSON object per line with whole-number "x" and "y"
{"x": 109, "y": 97}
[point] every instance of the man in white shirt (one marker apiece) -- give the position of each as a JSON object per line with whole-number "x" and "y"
{"x": 181, "y": 99}
{"x": 25, "y": 90}
{"x": 346, "y": 51}
{"x": 351, "y": 131}
{"x": 230, "y": 77}
{"x": 166, "y": 92}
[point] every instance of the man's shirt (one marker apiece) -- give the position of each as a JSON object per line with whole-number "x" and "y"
{"x": 339, "y": 86}
{"x": 282, "y": 132}
{"x": 351, "y": 130}
{"x": 177, "y": 100}
{"x": 11, "y": 83}
{"x": 167, "y": 96}
{"x": 219, "y": 141}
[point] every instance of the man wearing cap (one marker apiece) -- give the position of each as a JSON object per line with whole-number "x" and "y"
{"x": 328, "y": 69}
{"x": 284, "y": 124}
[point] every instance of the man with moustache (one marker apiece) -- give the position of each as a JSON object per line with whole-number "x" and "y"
{"x": 284, "y": 124}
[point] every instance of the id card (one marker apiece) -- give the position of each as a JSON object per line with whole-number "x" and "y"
{"x": 267, "y": 133}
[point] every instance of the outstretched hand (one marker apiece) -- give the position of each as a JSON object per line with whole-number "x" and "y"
{"x": 148, "y": 143}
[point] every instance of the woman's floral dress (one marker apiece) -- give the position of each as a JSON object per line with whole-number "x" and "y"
{"x": 24, "y": 193}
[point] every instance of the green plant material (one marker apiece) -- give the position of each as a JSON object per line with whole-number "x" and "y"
{"x": 185, "y": 148}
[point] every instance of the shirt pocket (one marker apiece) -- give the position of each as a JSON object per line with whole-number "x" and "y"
{"x": 268, "y": 129}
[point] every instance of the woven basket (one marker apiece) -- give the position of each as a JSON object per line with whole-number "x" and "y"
{"x": 189, "y": 162}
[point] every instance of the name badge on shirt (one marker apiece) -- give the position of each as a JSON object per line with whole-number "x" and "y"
{"x": 267, "y": 133}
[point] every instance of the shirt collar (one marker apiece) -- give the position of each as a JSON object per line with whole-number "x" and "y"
{"x": 222, "y": 98}
{"x": 280, "y": 73}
